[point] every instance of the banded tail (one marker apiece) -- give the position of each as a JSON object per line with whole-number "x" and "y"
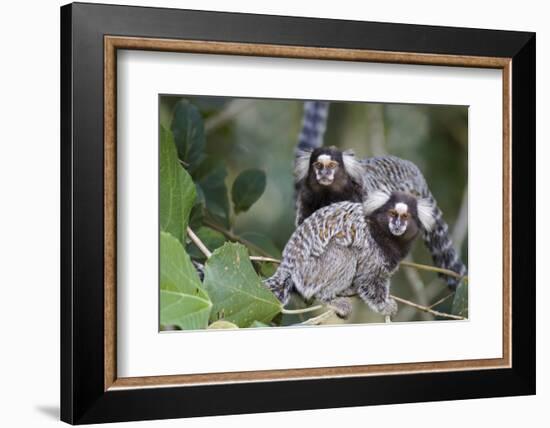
{"x": 314, "y": 125}
{"x": 439, "y": 243}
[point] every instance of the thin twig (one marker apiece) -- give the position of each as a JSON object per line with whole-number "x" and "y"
{"x": 426, "y": 309}
{"x": 413, "y": 276}
{"x": 318, "y": 319}
{"x": 433, "y": 269}
{"x": 301, "y": 311}
{"x": 403, "y": 263}
{"x": 233, "y": 237}
{"x": 264, "y": 259}
{"x": 198, "y": 243}
{"x": 433, "y": 305}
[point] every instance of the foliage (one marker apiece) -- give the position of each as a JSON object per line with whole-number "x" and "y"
{"x": 183, "y": 300}
{"x": 236, "y": 289}
{"x": 247, "y": 189}
{"x": 177, "y": 191}
{"x": 232, "y": 294}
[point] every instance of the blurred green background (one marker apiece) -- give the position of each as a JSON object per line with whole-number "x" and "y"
{"x": 257, "y": 133}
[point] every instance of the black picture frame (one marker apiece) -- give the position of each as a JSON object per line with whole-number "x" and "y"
{"x": 83, "y": 396}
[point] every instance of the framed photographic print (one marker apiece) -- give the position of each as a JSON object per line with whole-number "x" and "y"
{"x": 256, "y": 208}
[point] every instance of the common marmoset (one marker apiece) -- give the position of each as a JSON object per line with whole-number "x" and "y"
{"x": 350, "y": 248}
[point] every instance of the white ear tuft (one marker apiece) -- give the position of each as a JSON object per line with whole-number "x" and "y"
{"x": 301, "y": 164}
{"x": 353, "y": 166}
{"x": 425, "y": 212}
{"x": 375, "y": 200}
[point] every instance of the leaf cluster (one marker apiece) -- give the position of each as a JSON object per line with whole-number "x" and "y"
{"x": 193, "y": 191}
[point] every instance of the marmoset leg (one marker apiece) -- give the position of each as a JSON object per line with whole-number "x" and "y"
{"x": 376, "y": 293}
{"x": 341, "y": 305}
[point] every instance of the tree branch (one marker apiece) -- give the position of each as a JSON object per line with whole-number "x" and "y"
{"x": 433, "y": 305}
{"x": 433, "y": 269}
{"x": 403, "y": 263}
{"x": 318, "y": 319}
{"x": 198, "y": 243}
{"x": 231, "y": 236}
{"x": 301, "y": 311}
{"x": 264, "y": 259}
{"x": 427, "y": 309}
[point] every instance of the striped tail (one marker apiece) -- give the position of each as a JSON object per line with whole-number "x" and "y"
{"x": 314, "y": 125}
{"x": 440, "y": 244}
{"x": 280, "y": 284}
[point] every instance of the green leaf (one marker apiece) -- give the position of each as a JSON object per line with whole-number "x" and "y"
{"x": 177, "y": 191}
{"x": 258, "y": 324}
{"x": 221, "y": 325}
{"x": 210, "y": 237}
{"x": 460, "y": 300}
{"x": 188, "y": 129}
{"x": 210, "y": 176}
{"x": 196, "y": 217}
{"x": 183, "y": 301}
{"x": 237, "y": 293}
{"x": 247, "y": 189}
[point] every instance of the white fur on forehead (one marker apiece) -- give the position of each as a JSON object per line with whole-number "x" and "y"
{"x": 425, "y": 211}
{"x": 324, "y": 158}
{"x": 375, "y": 200}
{"x": 301, "y": 164}
{"x": 352, "y": 165}
{"x": 401, "y": 208}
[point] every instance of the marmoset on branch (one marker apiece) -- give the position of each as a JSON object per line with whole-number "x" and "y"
{"x": 349, "y": 248}
{"x": 324, "y": 175}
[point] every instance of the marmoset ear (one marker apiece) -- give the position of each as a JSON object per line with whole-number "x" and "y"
{"x": 352, "y": 165}
{"x": 301, "y": 164}
{"x": 425, "y": 211}
{"x": 375, "y": 200}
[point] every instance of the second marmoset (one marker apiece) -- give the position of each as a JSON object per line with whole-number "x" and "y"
{"x": 348, "y": 248}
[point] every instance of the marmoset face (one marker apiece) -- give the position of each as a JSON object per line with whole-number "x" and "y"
{"x": 399, "y": 217}
{"x": 325, "y": 169}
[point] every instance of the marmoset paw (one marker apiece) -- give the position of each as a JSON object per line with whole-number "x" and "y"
{"x": 342, "y": 307}
{"x": 389, "y": 308}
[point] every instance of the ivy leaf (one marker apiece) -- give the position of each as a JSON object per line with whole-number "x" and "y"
{"x": 177, "y": 191}
{"x": 188, "y": 129}
{"x": 247, "y": 189}
{"x": 237, "y": 294}
{"x": 460, "y": 300}
{"x": 183, "y": 301}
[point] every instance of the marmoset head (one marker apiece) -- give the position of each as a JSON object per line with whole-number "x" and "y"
{"x": 327, "y": 167}
{"x": 400, "y": 214}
